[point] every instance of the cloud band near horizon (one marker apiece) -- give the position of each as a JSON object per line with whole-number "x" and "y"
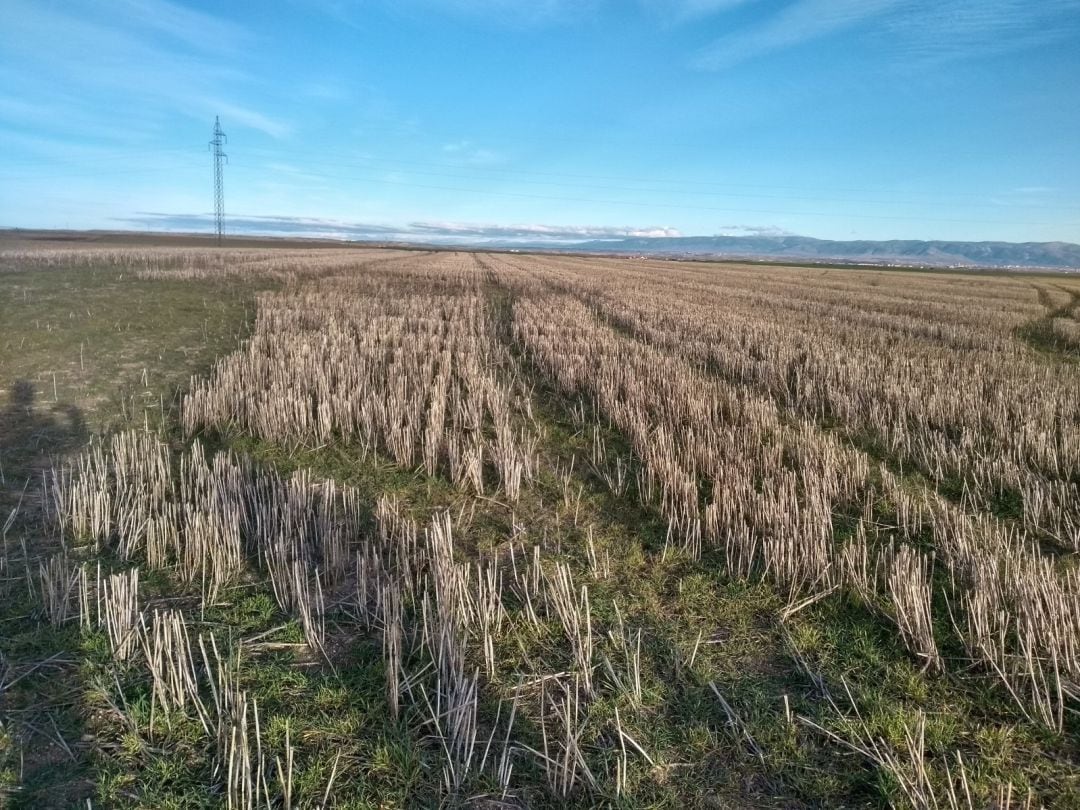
{"x": 417, "y": 231}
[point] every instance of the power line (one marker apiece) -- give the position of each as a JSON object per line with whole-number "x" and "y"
{"x": 219, "y": 189}
{"x": 220, "y": 139}
{"x": 343, "y": 158}
{"x": 164, "y": 168}
{"x": 338, "y": 164}
{"x": 98, "y": 156}
{"x": 517, "y": 176}
{"x": 339, "y": 157}
{"x": 1001, "y": 207}
{"x": 676, "y": 206}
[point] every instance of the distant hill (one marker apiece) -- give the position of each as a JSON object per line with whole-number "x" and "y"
{"x": 906, "y": 252}
{"x": 1054, "y": 255}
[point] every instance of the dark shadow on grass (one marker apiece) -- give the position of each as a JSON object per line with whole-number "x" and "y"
{"x": 36, "y": 711}
{"x": 28, "y": 431}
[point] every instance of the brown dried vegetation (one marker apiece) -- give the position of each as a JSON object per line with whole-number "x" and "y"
{"x": 896, "y": 441}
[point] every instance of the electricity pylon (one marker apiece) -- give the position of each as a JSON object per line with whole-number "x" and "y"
{"x": 219, "y": 140}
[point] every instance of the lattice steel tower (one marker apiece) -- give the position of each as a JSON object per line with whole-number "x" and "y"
{"x": 218, "y": 141}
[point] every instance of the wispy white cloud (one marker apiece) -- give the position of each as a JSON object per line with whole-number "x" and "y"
{"x": 64, "y": 114}
{"x": 916, "y": 33}
{"x": 468, "y": 152}
{"x": 510, "y": 13}
{"x": 925, "y": 34}
{"x": 173, "y": 21}
{"x": 687, "y": 10}
{"x": 431, "y": 232}
{"x": 796, "y": 23}
{"x": 156, "y": 57}
{"x": 513, "y": 13}
{"x": 326, "y": 90}
{"x": 59, "y": 149}
{"x": 752, "y": 230}
{"x": 236, "y": 113}
{"x": 258, "y": 225}
{"x": 535, "y": 231}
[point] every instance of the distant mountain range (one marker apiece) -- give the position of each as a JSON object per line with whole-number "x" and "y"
{"x": 1049, "y": 255}
{"x": 784, "y": 248}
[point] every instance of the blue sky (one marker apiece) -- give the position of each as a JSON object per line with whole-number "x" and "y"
{"x": 869, "y": 119}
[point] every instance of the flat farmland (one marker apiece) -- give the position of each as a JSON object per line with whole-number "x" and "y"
{"x": 299, "y": 527}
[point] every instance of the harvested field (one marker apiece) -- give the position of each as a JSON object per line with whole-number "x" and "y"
{"x": 300, "y": 527}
